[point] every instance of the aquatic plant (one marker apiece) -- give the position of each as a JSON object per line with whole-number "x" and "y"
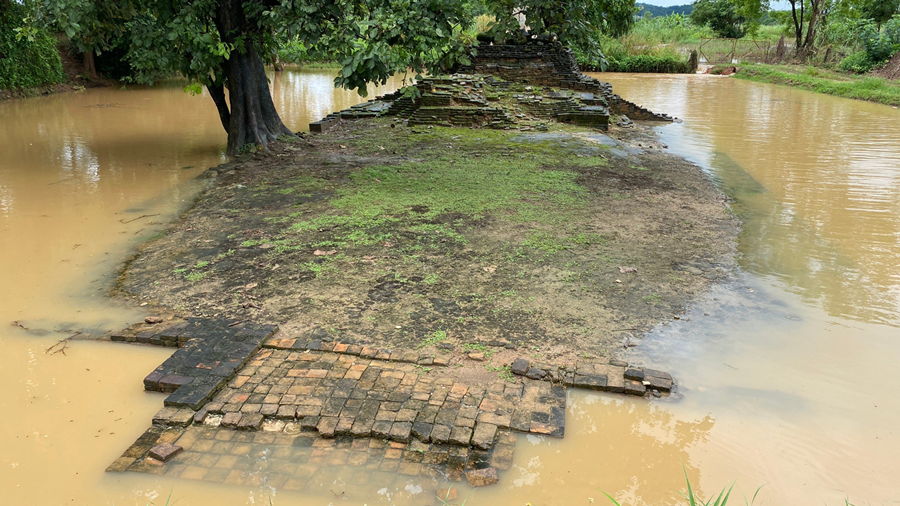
{"x": 721, "y": 499}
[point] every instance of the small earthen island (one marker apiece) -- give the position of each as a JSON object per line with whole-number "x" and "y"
{"x": 419, "y": 279}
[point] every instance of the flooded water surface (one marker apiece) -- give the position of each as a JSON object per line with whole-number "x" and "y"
{"x": 84, "y": 178}
{"x": 785, "y": 372}
{"x": 788, "y": 360}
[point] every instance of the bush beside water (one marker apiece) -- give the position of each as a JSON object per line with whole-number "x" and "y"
{"x": 28, "y": 60}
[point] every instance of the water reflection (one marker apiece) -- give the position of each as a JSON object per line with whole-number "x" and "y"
{"x": 633, "y": 450}
{"x": 816, "y": 179}
{"x": 304, "y": 96}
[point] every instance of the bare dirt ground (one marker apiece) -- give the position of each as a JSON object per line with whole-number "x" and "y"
{"x": 891, "y": 70}
{"x": 562, "y": 244}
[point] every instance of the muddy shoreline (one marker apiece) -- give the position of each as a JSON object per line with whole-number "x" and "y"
{"x": 380, "y": 234}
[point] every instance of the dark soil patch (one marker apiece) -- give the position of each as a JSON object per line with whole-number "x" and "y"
{"x": 415, "y": 238}
{"x": 891, "y": 70}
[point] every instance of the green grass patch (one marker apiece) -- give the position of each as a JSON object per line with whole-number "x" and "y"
{"x": 438, "y": 336}
{"x": 460, "y": 184}
{"x": 194, "y": 276}
{"x": 478, "y": 347}
{"x": 872, "y": 89}
{"x": 512, "y": 179}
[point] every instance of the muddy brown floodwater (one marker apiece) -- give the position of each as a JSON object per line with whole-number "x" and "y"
{"x": 84, "y": 177}
{"x": 786, "y": 371}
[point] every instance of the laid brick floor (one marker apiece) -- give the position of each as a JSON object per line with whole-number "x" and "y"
{"x": 282, "y": 455}
{"x": 339, "y": 394}
{"x": 293, "y": 411}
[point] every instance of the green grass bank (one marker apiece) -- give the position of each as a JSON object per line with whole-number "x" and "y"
{"x": 872, "y": 89}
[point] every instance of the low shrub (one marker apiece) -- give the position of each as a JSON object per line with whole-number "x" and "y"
{"x": 645, "y": 63}
{"x": 661, "y": 64}
{"x": 28, "y": 56}
{"x": 859, "y": 63}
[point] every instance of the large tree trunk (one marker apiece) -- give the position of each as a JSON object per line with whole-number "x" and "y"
{"x": 815, "y": 11}
{"x": 89, "y": 66}
{"x": 798, "y": 24}
{"x": 252, "y": 118}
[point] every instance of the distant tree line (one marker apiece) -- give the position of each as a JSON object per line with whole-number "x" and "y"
{"x": 657, "y": 11}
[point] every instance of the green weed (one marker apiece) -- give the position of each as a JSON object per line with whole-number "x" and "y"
{"x": 194, "y": 276}
{"x": 692, "y": 499}
{"x": 438, "y": 336}
{"x": 505, "y": 371}
{"x": 478, "y": 347}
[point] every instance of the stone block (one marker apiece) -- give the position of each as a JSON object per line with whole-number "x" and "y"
{"x": 615, "y": 379}
{"x": 361, "y": 428}
{"x": 633, "y": 387}
{"x": 461, "y": 436}
{"x": 231, "y": 420}
{"x": 591, "y": 382}
{"x": 634, "y": 374}
{"x": 422, "y": 431}
{"x": 661, "y": 384}
{"x": 172, "y": 382}
{"x": 164, "y": 451}
{"x": 400, "y": 431}
{"x": 519, "y": 366}
{"x": 174, "y": 417}
{"x": 250, "y": 421}
{"x": 382, "y": 428}
{"x": 535, "y": 373}
{"x": 326, "y": 426}
{"x": 442, "y": 360}
{"x": 483, "y": 436}
{"x": 440, "y": 434}
{"x": 482, "y": 477}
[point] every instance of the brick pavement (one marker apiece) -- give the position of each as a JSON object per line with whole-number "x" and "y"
{"x": 347, "y": 404}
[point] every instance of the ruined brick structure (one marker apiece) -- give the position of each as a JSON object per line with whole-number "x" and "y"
{"x": 551, "y": 65}
{"x": 505, "y": 85}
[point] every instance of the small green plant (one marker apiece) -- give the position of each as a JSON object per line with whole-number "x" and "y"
{"x": 653, "y": 298}
{"x": 695, "y": 500}
{"x": 201, "y": 264}
{"x": 505, "y": 371}
{"x": 436, "y": 337}
{"x": 179, "y": 271}
{"x": 195, "y": 276}
{"x": 478, "y": 347}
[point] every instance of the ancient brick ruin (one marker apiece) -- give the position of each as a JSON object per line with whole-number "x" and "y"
{"x": 505, "y": 85}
